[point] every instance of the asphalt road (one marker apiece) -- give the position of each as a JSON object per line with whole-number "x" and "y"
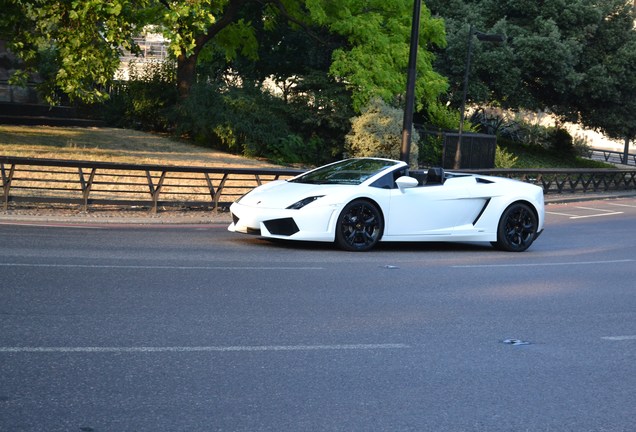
{"x": 193, "y": 328}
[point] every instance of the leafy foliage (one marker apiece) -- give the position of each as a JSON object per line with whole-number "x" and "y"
{"x": 504, "y": 159}
{"x": 243, "y": 121}
{"x": 430, "y": 149}
{"x": 146, "y": 100}
{"x": 78, "y": 41}
{"x": 257, "y": 124}
{"x": 378, "y": 38}
{"x": 282, "y": 78}
{"x": 575, "y": 58}
{"x": 377, "y": 132}
{"x": 606, "y": 95}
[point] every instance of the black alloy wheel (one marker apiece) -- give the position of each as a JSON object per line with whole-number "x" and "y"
{"x": 517, "y": 228}
{"x": 359, "y": 226}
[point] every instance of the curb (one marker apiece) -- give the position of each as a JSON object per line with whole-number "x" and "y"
{"x": 564, "y": 199}
{"x": 127, "y": 217}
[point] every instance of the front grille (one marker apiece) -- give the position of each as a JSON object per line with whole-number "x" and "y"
{"x": 283, "y": 227}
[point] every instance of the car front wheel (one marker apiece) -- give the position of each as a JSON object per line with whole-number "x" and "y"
{"x": 359, "y": 226}
{"x": 517, "y": 228}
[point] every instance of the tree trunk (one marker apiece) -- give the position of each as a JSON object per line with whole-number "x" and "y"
{"x": 186, "y": 74}
{"x": 626, "y": 151}
{"x": 186, "y": 64}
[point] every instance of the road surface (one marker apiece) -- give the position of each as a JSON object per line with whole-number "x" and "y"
{"x": 193, "y": 328}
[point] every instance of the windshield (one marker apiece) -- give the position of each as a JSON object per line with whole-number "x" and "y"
{"x": 347, "y": 172}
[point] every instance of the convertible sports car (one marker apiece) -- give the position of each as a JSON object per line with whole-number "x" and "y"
{"x": 360, "y": 202}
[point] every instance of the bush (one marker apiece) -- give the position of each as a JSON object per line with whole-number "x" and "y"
{"x": 504, "y": 159}
{"x": 292, "y": 149}
{"x": 319, "y": 110}
{"x": 198, "y": 116}
{"x": 561, "y": 142}
{"x": 443, "y": 118}
{"x": 377, "y": 132}
{"x": 582, "y": 146}
{"x": 249, "y": 120}
{"x": 431, "y": 149}
{"x": 256, "y": 119}
{"x": 245, "y": 121}
{"x": 494, "y": 121}
{"x": 144, "y": 101}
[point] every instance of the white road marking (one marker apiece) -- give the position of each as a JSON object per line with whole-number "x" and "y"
{"x": 621, "y": 205}
{"x": 186, "y": 349}
{"x": 544, "y": 264}
{"x": 157, "y": 267}
{"x": 619, "y": 338}
{"x": 596, "y": 215}
{"x": 594, "y": 209}
{"x": 603, "y": 212}
{"x": 560, "y": 214}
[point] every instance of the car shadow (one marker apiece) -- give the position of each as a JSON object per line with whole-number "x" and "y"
{"x": 380, "y": 247}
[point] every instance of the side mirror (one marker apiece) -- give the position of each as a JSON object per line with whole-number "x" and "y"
{"x": 406, "y": 182}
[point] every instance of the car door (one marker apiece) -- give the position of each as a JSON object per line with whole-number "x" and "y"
{"x": 433, "y": 209}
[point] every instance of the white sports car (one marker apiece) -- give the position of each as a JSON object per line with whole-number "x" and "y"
{"x": 360, "y": 202}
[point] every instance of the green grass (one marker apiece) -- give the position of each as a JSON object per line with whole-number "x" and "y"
{"x": 537, "y": 157}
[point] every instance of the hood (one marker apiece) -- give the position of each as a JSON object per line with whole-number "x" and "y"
{"x": 280, "y": 194}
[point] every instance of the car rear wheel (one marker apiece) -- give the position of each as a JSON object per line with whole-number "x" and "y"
{"x": 359, "y": 226}
{"x": 517, "y": 228}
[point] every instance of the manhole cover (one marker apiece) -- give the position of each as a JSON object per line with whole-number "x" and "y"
{"x": 515, "y": 342}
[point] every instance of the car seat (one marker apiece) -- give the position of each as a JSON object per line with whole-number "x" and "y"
{"x": 435, "y": 175}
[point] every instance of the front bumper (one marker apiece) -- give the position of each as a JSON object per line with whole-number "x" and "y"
{"x": 307, "y": 224}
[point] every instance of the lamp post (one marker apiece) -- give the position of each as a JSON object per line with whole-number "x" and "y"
{"x": 407, "y": 125}
{"x": 484, "y": 37}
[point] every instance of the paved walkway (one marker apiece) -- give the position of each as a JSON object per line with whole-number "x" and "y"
{"x": 97, "y": 215}
{"x": 49, "y": 214}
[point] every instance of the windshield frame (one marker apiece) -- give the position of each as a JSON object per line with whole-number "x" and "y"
{"x": 351, "y": 172}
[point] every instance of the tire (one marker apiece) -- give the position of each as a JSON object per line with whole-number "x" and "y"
{"x": 359, "y": 226}
{"x": 517, "y": 228}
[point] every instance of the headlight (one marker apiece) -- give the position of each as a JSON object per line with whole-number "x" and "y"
{"x": 303, "y": 202}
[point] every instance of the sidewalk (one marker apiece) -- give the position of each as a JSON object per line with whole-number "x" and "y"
{"x": 101, "y": 215}
{"x": 49, "y": 214}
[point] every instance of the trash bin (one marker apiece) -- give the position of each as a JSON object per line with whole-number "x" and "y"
{"x": 477, "y": 151}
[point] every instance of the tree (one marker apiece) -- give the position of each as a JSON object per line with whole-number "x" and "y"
{"x": 607, "y": 93}
{"x": 571, "y": 57}
{"x": 75, "y": 45}
{"x": 190, "y": 26}
{"x": 535, "y": 68}
{"x": 374, "y": 61}
{"x": 81, "y": 41}
{"x": 87, "y": 37}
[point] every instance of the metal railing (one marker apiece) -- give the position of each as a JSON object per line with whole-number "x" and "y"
{"x": 613, "y": 157}
{"x": 564, "y": 181}
{"x": 87, "y": 183}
